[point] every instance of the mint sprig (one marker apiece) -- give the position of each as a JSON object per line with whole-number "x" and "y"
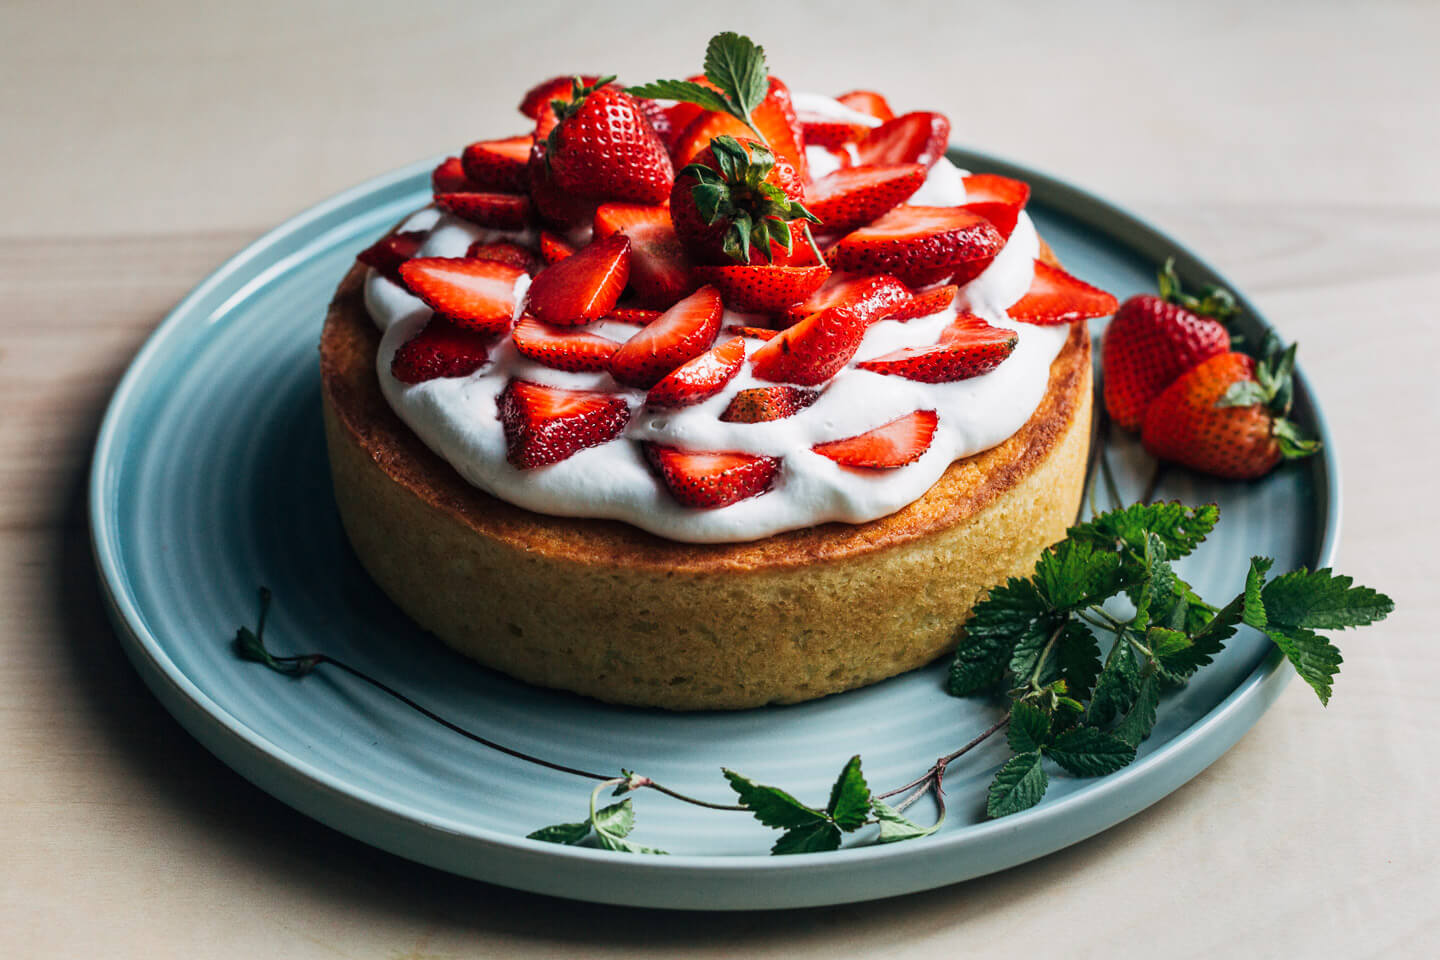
{"x": 735, "y": 64}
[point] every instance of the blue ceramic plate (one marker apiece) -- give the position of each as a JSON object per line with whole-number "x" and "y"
{"x": 210, "y": 479}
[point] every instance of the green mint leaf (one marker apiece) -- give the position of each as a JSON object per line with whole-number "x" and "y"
{"x": 685, "y": 90}
{"x": 1243, "y": 393}
{"x": 811, "y": 838}
{"x": 773, "y": 806}
{"x": 849, "y": 803}
{"x": 621, "y": 845}
{"x": 1087, "y": 752}
{"x": 1029, "y": 727}
{"x": 1252, "y": 611}
{"x": 1029, "y": 647}
{"x": 1078, "y": 657}
{"x": 1313, "y": 657}
{"x": 990, "y": 635}
{"x": 1322, "y": 600}
{"x": 895, "y": 826}
{"x": 618, "y": 819}
{"x": 1179, "y": 527}
{"x": 1157, "y": 595}
{"x": 567, "y": 833}
{"x": 736, "y": 65}
{"x": 1073, "y": 573}
{"x": 1139, "y": 720}
{"x": 1019, "y": 785}
{"x": 1118, "y": 684}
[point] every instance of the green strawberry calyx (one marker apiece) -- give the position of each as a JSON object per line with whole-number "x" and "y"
{"x": 1214, "y": 302}
{"x": 1274, "y": 389}
{"x": 735, "y": 191}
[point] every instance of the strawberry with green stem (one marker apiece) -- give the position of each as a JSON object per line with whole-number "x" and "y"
{"x": 603, "y": 147}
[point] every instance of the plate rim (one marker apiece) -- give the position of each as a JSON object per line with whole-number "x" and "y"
{"x": 308, "y": 789}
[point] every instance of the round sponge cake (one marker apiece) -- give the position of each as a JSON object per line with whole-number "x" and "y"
{"x": 602, "y": 608}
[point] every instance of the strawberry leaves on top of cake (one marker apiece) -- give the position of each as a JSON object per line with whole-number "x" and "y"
{"x": 738, "y": 80}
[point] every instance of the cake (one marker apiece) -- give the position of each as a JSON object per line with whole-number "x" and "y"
{"x": 671, "y": 408}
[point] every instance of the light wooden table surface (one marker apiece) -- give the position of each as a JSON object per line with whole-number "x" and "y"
{"x": 1296, "y": 146}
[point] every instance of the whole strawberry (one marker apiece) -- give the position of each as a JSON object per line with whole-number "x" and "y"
{"x": 1154, "y": 339}
{"x": 739, "y": 199}
{"x": 603, "y": 147}
{"x": 1227, "y": 415}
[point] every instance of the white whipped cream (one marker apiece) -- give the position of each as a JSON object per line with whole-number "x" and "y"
{"x": 457, "y": 417}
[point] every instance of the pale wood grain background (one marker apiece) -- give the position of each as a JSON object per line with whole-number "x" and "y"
{"x": 1294, "y": 144}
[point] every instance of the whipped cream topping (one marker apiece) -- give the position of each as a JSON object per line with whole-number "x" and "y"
{"x": 458, "y": 419}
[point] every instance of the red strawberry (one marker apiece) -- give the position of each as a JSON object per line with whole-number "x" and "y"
{"x": 478, "y": 294}
{"x": 914, "y": 138}
{"x": 763, "y": 287}
{"x": 563, "y": 348}
{"x": 502, "y": 252}
{"x": 897, "y": 443}
{"x": 684, "y": 331}
{"x": 1154, "y": 339}
{"x": 700, "y": 378}
{"x": 874, "y": 297}
{"x": 848, "y": 198}
{"x": 504, "y": 211}
{"x": 1057, "y": 297}
{"x": 695, "y": 139}
{"x": 925, "y": 303}
{"x": 604, "y": 148}
{"x": 752, "y": 205}
{"x": 553, "y": 248}
{"x": 921, "y": 245}
{"x": 584, "y": 286}
{"x": 659, "y": 266}
{"x": 813, "y": 350}
{"x": 661, "y": 120}
{"x": 758, "y": 404}
{"x": 537, "y": 100}
{"x": 710, "y": 480}
{"x": 754, "y": 333}
{"x": 777, "y": 122}
{"x": 387, "y": 253}
{"x": 997, "y": 199}
{"x": 554, "y": 205}
{"x": 450, "y": 177}
{"x": 497, "y": 164}
{"x": 440, "y": 349}
{"x": 968, "y": 348}
{"x": 1227, "y": 418}
{"x": 868, "y": 102}
{"x": 545, "y": 425}
{"x": 830, "y": 133}
{"x": 635, "y": 315}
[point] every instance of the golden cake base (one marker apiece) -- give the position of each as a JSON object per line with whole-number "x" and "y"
{"x": 604, "y": 609}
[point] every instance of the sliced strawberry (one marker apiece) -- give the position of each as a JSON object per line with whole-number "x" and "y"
{"x": 710, "y": 480}
{"x": 868, "y": 102}
{"x": 503, "y": 252}
{"x": 563, "y": 348}
{"x": 684, "y": 331}
{"x": 920, "y": 137}
{"x": 504, "y": 211}
{"x": 440, "y": 349}
{"x": 921, "y": 245}
{"x": 969, "y": 347}
{"x": 1057, "y": 297}
{"x": 701, "y": 378}
{"x": 659, "y": 266}
{"x": 997, "y": 199}
{"x": 754, "y": 333}
{"x": 758, "y": 404}
{"x": 450, "y": 177}
{"x": 813, "y": 350}
{"x": 636, "y": 315}
{"x": 897, "y": 443}
{"x": 706, "y": 127}
{"x": 776, "y": 120}
{"x": 387, "y": 253}
{"x": 584, "y": 286}
{"x": 925, "y": 303}
{"x": 874, "y": 297}
{"x": 478, "y": 294}
{"x": 545, "y": 425}
{"x": 553, "y": 248}
{"x": 763, "y": 288}
{"x": 830, "y": 133}
{"x": 848, "y": 198}
{"x": 498, "y": 164}
{"x": 537, "y": 99}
